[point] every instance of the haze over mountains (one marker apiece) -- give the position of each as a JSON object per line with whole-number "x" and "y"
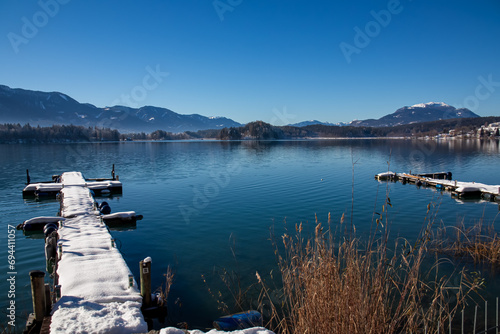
{"x": 48, "y": 108}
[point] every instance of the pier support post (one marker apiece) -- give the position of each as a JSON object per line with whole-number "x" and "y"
{"x": 145, "y": 266}
{"x": 38, "y": 294}
{"x": 48, "y": 300}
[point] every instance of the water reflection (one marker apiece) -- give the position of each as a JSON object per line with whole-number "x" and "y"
{"x": 276, "y": 180}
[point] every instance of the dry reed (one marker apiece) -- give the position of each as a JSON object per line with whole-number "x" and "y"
{"x": 479, "y": 243}
{"x": 337, "y": 284}
{"x": 163, "y": 292}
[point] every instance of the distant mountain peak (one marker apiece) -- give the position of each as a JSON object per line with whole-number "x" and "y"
{"x": 430, "y": 104}
{"x": 311, "y": 122}
{"x": 418, "y": 113}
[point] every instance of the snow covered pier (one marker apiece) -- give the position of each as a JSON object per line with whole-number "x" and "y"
{"x": 443, "y": 181}
{"x": 52, "y": 188}
{"x": 96, "y": 290}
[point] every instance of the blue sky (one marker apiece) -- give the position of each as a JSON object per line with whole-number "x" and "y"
{"x": 280, "y": 61}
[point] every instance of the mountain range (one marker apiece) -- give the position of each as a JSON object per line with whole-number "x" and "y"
{"x": 316, "y": 122}
{"x": 49, "y": 108}
{"x": 422, "y": 112}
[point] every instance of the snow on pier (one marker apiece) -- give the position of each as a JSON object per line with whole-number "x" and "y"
{"x": 94, "y": 278}
{"x": 458, "y": 188}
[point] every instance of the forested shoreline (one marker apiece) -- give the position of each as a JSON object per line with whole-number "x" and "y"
{"x": 17, "y": 133}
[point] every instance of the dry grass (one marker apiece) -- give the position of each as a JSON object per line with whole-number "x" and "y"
{"x": 479, "y": 243}
{"x": 164, "y": 291}
{"x": 338, "y": 284}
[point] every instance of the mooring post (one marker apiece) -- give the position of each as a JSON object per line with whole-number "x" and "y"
{"x": 28, "y": 179}
{"x": 145, "y": 266}
{"x": 48, "y": 300}
{"x": 38, "y": 294}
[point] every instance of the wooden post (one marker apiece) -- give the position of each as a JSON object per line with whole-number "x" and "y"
{"x": 57, "y": 292}
{"x": 38, "y": 294}
{"x": 48, "y": 300}
{"x": 145, "y": 266}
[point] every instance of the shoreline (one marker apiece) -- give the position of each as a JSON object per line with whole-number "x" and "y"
{"x": 27, "y": 141}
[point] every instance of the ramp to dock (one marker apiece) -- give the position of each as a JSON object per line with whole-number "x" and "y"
{"x": 96, "y": 296}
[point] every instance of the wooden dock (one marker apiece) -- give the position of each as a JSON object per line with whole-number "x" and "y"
{"x": 442, "y": 180}
{"x": 52, "y": 188}
{"x": 95, "y": 289}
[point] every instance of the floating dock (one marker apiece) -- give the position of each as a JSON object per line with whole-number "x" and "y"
{"x": 95, "y": 291}
{"x": 443, "y": 180}
{"x": 101, "y": 186}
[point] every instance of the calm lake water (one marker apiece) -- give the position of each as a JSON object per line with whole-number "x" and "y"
{"x": 202, "y": 200}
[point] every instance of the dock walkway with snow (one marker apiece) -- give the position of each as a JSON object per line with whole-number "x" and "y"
{"x": 458, "y": 188}
{"x": 96, "y": 294}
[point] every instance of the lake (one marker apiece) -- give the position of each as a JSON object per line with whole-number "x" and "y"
{"x": 202, "y": 201}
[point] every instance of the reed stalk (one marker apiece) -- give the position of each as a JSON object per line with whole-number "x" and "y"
{"x": 335, "y": 283}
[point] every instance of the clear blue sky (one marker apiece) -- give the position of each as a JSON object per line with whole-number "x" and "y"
{"x": 280, "y": 61}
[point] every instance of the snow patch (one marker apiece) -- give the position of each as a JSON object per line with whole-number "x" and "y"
{"x": 64, "y": 97}
{"x": 75, "y": 315}
{"x": 429, "y": 104}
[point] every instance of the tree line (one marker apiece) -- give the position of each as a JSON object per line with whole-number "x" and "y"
{"x": 17, "y": 133}
{"x": 264, "y": 131}
{"x": 12, "y": 133}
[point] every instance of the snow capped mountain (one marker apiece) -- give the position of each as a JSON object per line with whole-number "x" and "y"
{"x": 45, "y": 109}
{"x": 417, "y": 113}
{"x": 429, "y": 104}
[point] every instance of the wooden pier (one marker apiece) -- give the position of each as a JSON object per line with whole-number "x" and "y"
{"x": 443, "y": 181}
{"x": 52, "y": 188}
{"x": 95, "y": 291}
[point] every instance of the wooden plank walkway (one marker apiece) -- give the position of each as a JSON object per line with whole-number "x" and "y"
{"x": 458, "y": 188}
{"x": 96, "y": 296}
